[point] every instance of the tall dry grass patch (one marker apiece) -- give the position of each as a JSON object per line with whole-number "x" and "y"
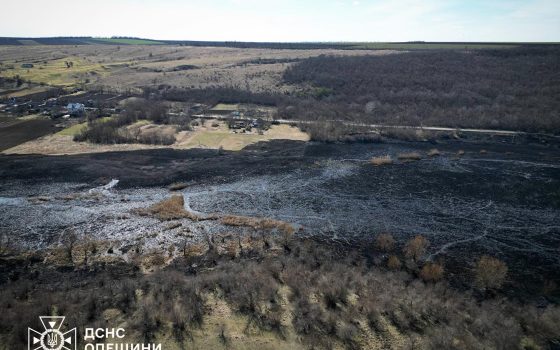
{"x": 409, "y": 157}
{"x": 434, "y": 152}
{"x": 172, "y": 208}
{"x": 382, "y": 160}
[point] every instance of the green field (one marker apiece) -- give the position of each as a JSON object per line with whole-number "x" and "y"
{"x": 55, "y": 72}
{"x": 77, "y": 128}
{"x": 225, "y": 107}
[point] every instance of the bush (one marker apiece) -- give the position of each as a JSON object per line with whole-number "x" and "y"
{"x": 394, "y": 263}
{"x": 112, "y": 132}
{"x": 416, "y": 247}
{"x": 431, "y": 272}
{"x": 385, "y": 242}
{"x": 490, "y": 273}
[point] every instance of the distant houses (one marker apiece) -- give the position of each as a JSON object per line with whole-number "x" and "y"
{"x": 75, "y": 108}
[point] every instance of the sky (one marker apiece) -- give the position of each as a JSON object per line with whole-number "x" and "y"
{"x": 287, "y": 20}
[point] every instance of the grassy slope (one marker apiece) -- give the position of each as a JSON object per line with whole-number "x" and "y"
{"x": 55, "y": 72}
{"x": 77, "y": 128}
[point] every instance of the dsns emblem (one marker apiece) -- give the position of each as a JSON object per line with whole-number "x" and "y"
{"x": 51, "y": 338}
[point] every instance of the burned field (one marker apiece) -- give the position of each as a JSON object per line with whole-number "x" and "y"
{"x": 14, "y": 132}
{"x": 230, "y": 197}
{"x": 502, "y": 201}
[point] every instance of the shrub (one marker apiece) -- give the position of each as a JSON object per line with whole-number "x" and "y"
{"x": 433, "y": 152}
{"x": 232, "y": 248}
{"x": 409, "y": 157}
{"x": 191, "y": 250}
{"x": 382, "y": 160}
{"x": 394, "y": 263}
{"x": 416, "y": 247}
{"x": 5, "y": 247}
{"x": 385, "y": 242}
{"x": 490, "y": 273}
{"x": 431, "y": 272}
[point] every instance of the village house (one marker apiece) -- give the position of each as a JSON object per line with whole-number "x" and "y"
{"x": 75, "y": 108}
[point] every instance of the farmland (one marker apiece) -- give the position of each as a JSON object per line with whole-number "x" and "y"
{"x": 54, "y": 72}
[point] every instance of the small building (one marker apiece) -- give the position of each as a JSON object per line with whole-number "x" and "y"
{"x": 75, "y": 108}
{"x": 238, "y": 124}
{"x": 27, "y": 65}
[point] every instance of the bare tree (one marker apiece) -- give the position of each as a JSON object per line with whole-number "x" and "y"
{"x": 385, "y": 242}
{"x": 416, "y": 247}
{"x": 490, "y": 273}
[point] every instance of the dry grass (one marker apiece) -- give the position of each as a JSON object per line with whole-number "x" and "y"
{"x": 193, "y": 249}
{"x": 177, "y": 186}
{"x": 232, "y": 248}
{"x": 216, "y": 138}
{"x": 409, "y": 157}
{"x": 152, "y": 261}
{"x": 199, "y": 138}
{"x": 172, "y": 208}
{"x": 434, "y": 152}
{"x": 382, "y": 160}
{"x": 55, "y": 72}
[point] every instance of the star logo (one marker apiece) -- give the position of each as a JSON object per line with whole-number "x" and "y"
{"x": 51, "y": 338}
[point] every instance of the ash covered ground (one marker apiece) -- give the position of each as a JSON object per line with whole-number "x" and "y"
{"x": 503, "y": 202}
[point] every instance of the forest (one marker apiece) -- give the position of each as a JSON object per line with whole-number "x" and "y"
{"x": 498, "y": 89}
{"x": 508, "y": 89}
